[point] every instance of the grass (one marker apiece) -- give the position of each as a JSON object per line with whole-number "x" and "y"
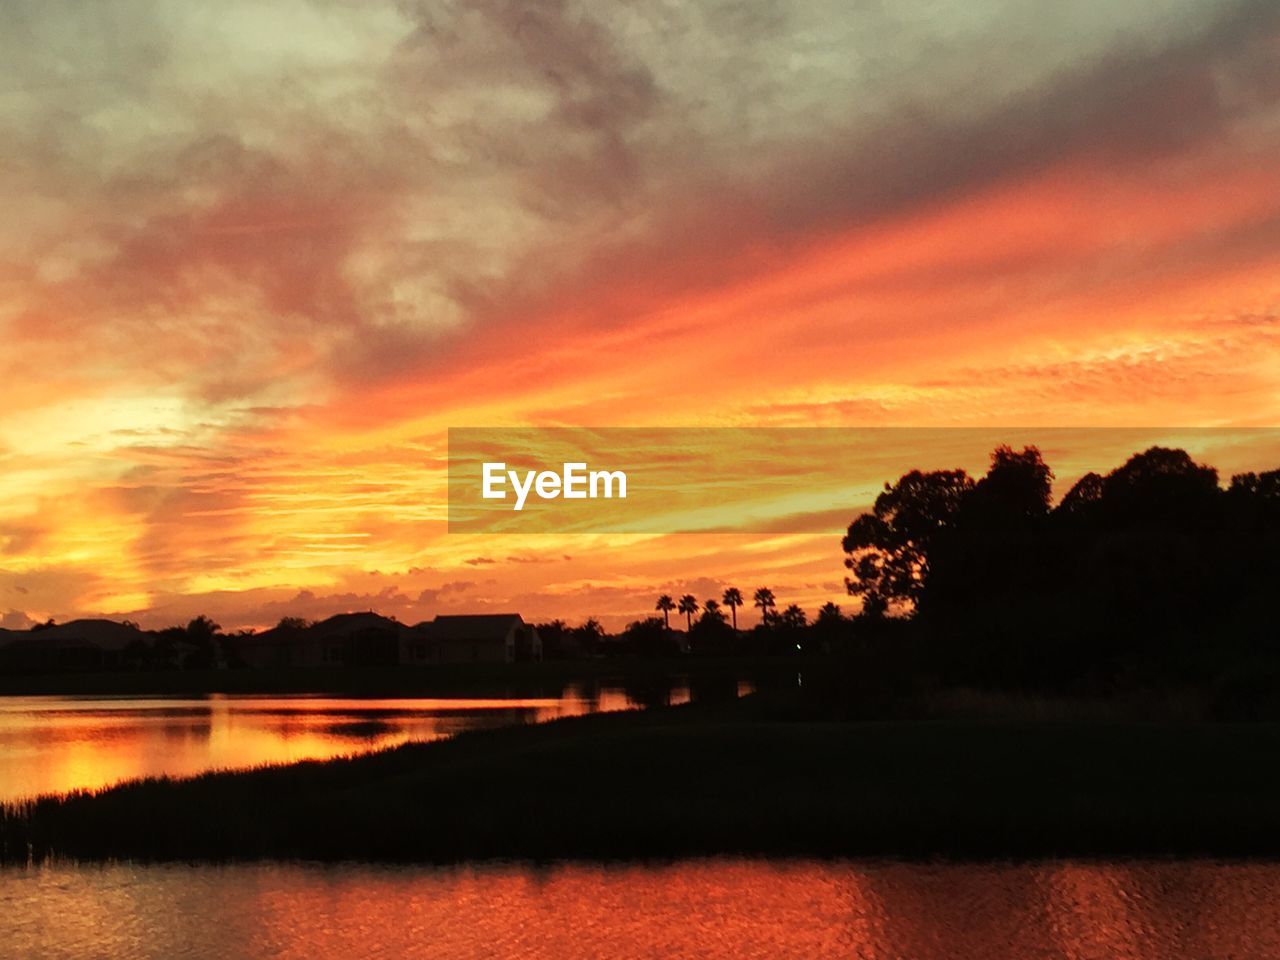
{"x": 719, "y": 779}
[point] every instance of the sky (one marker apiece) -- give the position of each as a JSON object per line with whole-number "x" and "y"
{"x": 257, "y": 259}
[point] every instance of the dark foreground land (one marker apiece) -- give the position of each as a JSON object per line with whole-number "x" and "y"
{"x": 727, "y": 778}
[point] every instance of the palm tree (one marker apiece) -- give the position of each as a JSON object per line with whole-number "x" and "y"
{"x": 733, "y": 600}
{"x": 688, "y": 606}
{"x": 764, "y": 599}
{"x": 830, "y": 613}
{"x": 793, "y": 616}
{"x": 666, "y": 605}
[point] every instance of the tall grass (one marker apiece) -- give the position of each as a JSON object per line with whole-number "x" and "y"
{"x": 700, "y": 781}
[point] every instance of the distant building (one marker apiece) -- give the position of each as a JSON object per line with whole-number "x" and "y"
{"x": 481, "y": 638}
{"x": 80, "y": 645}
{"x": 345, "y": 640}
{"x": 348, "y": 639}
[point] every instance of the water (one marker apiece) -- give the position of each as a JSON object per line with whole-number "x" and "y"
{"x": 56, "y": 744}
{"x": 701, "y": 909}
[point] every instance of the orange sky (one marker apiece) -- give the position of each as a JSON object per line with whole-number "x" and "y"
{"x": 257, "y": 259}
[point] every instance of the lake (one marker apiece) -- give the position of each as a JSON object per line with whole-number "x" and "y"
{"x": 52, "y": 744}
{"x": 701, "y": 909}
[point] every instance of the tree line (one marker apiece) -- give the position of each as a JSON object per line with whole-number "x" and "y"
{"x": 1153, "y": 573}
{"x": 713, "y": 610}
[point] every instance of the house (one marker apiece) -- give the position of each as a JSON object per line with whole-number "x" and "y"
{"x": 347, "y": 639}
{"x": 79, "y": 645}
{"x": 479, "y": 638}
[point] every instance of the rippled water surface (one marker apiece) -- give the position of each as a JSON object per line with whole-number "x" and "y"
{"x": 705, "y": 909}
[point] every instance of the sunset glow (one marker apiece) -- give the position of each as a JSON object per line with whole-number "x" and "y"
{"x": 258, "y": 259}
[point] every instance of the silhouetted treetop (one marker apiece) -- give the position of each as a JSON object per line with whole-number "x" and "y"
{"x": 1150, "y": 569}
{"x": 1084, "y": 493}
{"x": 888, "y": 549}
{"x": 1260, "y": 486}
{"x": 1151, "y": 526}
{"x": 793, "y": 617}
{"x": 829, "y": 613}
{"x": 1018, "y": 485}
{"x": 1160, "y": 484}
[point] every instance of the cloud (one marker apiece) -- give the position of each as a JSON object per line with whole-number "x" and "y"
{"x": 21, "y": 538}
{"x": 1119, "y": 105}
{"x": 15, "y": 620}
{"x": 464, "y": 167}
{"x": 257, "y": 258}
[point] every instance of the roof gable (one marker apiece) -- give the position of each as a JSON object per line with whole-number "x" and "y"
{"x": 346, "y": 623}
{"x": 485, "y": 626}
{"x": 105, "y": 634}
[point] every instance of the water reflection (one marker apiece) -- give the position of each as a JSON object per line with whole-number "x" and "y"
{"x": 55, "y": 744}
{"x": 704, "y": 909}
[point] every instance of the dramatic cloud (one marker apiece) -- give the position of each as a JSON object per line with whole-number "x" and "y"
{"x": 258, "y": 257}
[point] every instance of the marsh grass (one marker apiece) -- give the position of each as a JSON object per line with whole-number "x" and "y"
{"x": 719, "y": 779}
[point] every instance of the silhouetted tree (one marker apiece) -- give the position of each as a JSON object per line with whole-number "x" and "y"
{"x": 732, "y": 599}
{"x": 688, "y": 606}
{"x": 201, "y": 634}
{"x": 666, "y": 605}
{"x": 1083, "y": 495}
{"x": 829, "y": 612}
{"x": 711, "y": 633}
{"x": 1017, "y": 486}
{"x": 764, "y": 599}
{"x": 1160, "y": 485}
{"x": 793, "y": 617}
{"x": 202, "y": 629}
{"x": 588, "y": 635}
{"x": 557, "y": 644}
{"x": 1148, "y": 573}
{"x": 1261, "y": 487}
{"x": 649, "y": 637}
{"x": 994, "y": 543}
{"x": 830, "y": 625}
{"x": 873, "y": 606}
{"x": 888, "y": 549}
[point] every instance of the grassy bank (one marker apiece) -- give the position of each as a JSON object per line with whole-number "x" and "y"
{"x": 709, "y": 780}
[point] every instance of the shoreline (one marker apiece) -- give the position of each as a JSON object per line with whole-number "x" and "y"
{"x": 437, "y": 679}
{"x": 704, "y": 781}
